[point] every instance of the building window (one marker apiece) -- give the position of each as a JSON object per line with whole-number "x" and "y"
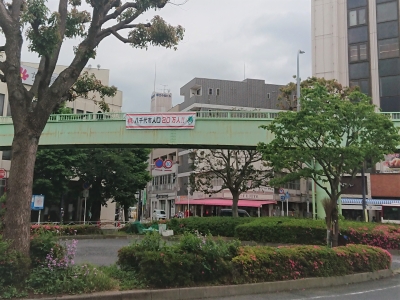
{"x": 386, "y": 12}
{"x": 217, "y": 92}
{"x": 8, "y": 109}
{"x": 363, "y": 84}
{"x": 357, "y": 17}
{"x": 1, "y": 104}
{"x": 358, "y": 52}
{"x": 6, "y": 155}
{"x": 198, "y": 92}
{"x": 268, "y": 96}
{"x": 388, "y": 48}
{"x": 390, "y": 86}
{"x": 210, "y": 91}
{"x": 79, "y": 111}
{"x": 292, "y": 185}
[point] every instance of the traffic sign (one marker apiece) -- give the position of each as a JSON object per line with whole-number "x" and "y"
{"x": 281, "y": 191}
{"x": 168, "y": 164}
{"x": 37, "y": 202}
{"x": 159, "y": 163}
{"x": 2, "y": 173}
{"x": 287, "y": 196}
{"x": 86, "y": 185}
{"x": 283, "y": 197}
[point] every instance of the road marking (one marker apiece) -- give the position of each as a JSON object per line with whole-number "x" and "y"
{"x": 350, "y": 294}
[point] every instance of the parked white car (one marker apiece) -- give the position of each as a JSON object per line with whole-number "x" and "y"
{"x": 159, "y": 214}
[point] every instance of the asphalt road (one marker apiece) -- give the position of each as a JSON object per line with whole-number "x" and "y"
{"x": 384, "y": 289}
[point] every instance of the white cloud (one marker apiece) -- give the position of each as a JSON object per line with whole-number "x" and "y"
{"x": 221, "y": 36}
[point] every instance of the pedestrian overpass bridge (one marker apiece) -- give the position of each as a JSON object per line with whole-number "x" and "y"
{"x": 217, "y": 129}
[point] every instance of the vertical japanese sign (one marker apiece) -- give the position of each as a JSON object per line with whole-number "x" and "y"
{"x": 180, "y": 120}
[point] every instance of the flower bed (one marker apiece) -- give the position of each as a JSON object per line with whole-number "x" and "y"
{"x": 65, "y": 229}
{"x": 199, "y": 260}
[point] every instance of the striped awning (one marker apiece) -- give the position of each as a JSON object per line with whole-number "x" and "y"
{"x": 370, "y": 201}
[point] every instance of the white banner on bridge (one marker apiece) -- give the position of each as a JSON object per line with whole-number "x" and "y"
{"x": 179, "y": 120}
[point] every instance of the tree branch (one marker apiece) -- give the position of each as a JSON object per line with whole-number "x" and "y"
{"x": 121, "y": 38}
{"x": 5, "y": 17}
{"x": 117, "y": 12}
{"x": 16, "y": 9}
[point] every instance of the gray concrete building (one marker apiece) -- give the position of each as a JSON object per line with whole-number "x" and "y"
{"x": 226, "y": 94}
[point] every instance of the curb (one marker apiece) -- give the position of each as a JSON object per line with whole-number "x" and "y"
{"x": 231, "y": 290}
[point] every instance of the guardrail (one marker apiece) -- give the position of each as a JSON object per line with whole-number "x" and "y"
{"x": 205, "y": 115}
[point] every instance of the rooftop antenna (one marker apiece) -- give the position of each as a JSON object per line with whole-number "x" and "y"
{"x": 244, "y": 70}
{"x": 164, "y": 85}
{"x": 154, "y": 87}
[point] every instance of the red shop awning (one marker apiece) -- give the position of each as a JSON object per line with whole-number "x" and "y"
{"x": 226, "y": 202}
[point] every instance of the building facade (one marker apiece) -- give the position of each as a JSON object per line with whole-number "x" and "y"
{"x": 357, "y": 43}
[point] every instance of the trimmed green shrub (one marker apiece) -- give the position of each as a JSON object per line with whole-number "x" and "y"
{"x": 260, "y": 264}
{"x": 313, "y": 232}
{"x": 217, "y": 226}
{"x": 283, "y": 230}
{"x": 66, "y": 229}
{"x": 195, "y": 259}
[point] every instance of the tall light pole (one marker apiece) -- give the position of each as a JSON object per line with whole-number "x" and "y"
{"x": 298, "y": 79}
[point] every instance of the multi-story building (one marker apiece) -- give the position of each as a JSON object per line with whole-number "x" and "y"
{"x": 79, "y": 106}
{"x": 203, "y": 94}
{"x": 357, "y": 43}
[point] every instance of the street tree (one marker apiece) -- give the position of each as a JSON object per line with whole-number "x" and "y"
{"x": 238, "y": 170}
{"x": 45, "y": 32}
{"x": 287, "y": 99}
{"x": 330, "y": 137}
{"x": 116, "y": 174}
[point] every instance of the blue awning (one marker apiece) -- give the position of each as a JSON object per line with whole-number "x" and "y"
{"x": 370, "y": 201}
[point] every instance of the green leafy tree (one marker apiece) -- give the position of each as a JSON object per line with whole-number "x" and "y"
{"x": 45, "y": 33}
{"x": 114, "y": 174}
{"x": 239, "y": 171}
{"x": 336, "y": 132}
{"x": 287, "y": 99}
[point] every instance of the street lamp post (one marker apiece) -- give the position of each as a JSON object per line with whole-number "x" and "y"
{"x": 298, "y": 79}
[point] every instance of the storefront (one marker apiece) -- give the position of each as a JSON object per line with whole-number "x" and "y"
{"x": 212, "y": 206}
{"x": 352, "y": 208}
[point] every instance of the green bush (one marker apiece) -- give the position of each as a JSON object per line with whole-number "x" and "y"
{"x": 313, "y": 232}
{"x": 41, "y": 245}
{"x": 217, "y": 226}
{"x": 259, "y": 264}
{"x": 65, "y": 229}
{"x": 69, "y": 280}
{"x": 127, "y": 279}
{"x": 283, "y": 230}
{"x": 14, "y": 267}
{"x": 195, "y": 259}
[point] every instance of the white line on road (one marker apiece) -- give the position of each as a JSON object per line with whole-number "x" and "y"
{"x": 350, "y": 294}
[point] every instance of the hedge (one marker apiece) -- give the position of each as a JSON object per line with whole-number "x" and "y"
{"x": 197, "y": 260}
{"x": 307, "y": 231}
{"x": 217, "y": 226}
{"x": 66, "y": 229}
{"x": 260, "y": 264}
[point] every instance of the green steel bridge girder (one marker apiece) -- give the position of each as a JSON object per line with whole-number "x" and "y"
{"x": 218, "y": 130}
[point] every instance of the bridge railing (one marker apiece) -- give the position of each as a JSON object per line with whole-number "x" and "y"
{"x": 395, "y": 116}
{"x": 236, "y": 115}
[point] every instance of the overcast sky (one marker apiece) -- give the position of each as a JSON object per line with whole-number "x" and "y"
{"x": 221, "y": 37}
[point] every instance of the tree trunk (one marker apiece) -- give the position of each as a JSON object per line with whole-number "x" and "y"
{"x": 332, "y": 232}
{"x": 19, "y": 190}
{"x": 126, "y": 213}
{"x": 235, "y": 201}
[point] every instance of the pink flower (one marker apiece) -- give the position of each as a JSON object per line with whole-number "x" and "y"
{"x": 24, "y": 74}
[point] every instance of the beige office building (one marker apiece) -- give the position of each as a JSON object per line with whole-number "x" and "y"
{"x": 357, "y": 43}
